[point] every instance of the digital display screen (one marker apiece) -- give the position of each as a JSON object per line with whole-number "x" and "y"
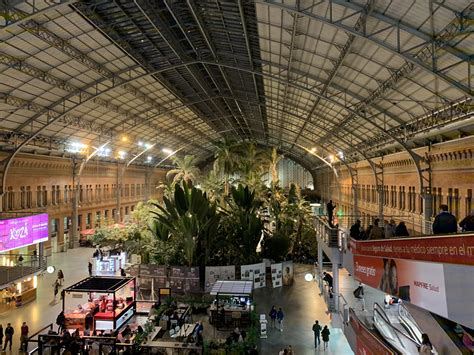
{"x": 20, "y": 232}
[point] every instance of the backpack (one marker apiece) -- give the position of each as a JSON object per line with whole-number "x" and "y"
{"x": 358, "y": 292}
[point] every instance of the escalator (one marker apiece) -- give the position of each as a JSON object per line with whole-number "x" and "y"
{"x": 402, "y": 341}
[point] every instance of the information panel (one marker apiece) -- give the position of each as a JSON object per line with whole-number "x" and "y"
{"x": 20, "y": 232}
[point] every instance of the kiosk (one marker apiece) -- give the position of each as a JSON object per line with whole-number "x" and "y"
{"x": 232, "y": 305}
{"x": 102, "y": 303}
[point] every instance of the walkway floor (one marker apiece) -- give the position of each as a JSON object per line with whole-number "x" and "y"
{"x": 301, "y": 305}
{"x": 43, "y": 311}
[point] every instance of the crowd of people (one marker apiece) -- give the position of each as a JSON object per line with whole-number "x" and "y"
{"x": 444, "y": 223}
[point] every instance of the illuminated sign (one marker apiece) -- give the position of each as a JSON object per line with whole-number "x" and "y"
{"x": 20, "y": 232}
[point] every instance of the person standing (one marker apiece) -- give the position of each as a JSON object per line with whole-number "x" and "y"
{"x": 89, "y": 267}
{"x": 24, "y": 337}
{"x": 328, "y": 278}
{"x": 355, "y": 230}
{"x": 317, "y": 332}
{"x": 60, "y": 277}
{"x": 389, "y": 229}
{"x": 426, "y": 345}
{"x": 9, "y": 331}
{"x": 359, "y": 295}
{"x": 1, "y": 336}
{"x": 280, "y": 316}
{"x": 401, "y": 230}
{"x": 122, "y": 272}
{"x": 376, "y": 232}
{"x": 325, "y": 335}
{"x": 61, "y": 322}
{"x": 330, "y": 210}
{"x": 273, "y": 315}
{"x": 445, "y": 222}
{"x": 467, "y": 224}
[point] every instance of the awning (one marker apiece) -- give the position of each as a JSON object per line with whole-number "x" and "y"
{"x": 230, "y": 288}
{"x": 88, "y": 232}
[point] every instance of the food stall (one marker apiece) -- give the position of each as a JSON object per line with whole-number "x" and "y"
{"x": 101, "y": 302}
{"x": 18, "y": 294}
{"x": 232, "y": 305}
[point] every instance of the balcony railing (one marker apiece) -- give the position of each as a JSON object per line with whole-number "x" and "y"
{"x": 13, "y": 268}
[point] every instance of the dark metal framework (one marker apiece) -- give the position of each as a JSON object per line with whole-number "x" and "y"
{"x": 361, "y": 78}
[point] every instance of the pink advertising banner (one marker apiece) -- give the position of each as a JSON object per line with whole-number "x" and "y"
{"x": 20, "y": 232}
{"x": 452, "y": 249}
{"x": 420, "y": 283}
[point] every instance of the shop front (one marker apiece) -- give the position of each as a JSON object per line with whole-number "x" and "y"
{"x": 101, "y": 303}
{"x": 18, "y": 294}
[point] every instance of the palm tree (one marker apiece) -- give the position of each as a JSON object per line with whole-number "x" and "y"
{"x": 273, "y": 163}
{"x": 227, "y": 159}
{"x": 186, "y": 170}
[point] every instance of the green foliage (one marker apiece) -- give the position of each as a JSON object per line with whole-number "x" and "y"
{"x": 185, "y": 171}
{"x": 276, "y": 247}
{"x": 192, "y": 221}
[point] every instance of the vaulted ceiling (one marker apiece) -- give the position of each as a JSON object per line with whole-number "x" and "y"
{"x": 313, "y": 78}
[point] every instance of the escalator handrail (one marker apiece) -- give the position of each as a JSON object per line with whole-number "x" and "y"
{"x": 384, "y": 316}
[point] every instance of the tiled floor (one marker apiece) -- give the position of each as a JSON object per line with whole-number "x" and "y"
{"x": 43, "y": 311}
{"x": 301, "y": 303}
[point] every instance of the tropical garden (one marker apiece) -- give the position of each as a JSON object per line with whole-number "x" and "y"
{"x": 226, "y": 215}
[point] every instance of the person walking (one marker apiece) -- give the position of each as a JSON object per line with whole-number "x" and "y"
{"x": 89, "y": 267}
{"x": 444, "y": 222}
{"x": 280, "y": 316}
{"x": 1, "y": 336}
{"x": 317, "y": 333}
{"x": 24, "y": 337}
{"x": 273, "y": 315}
{"x": 9, "y": 331}
{"x": 60, "y": 277}
{"x": 325, "y": 335}
{"x": 56, "y": 288}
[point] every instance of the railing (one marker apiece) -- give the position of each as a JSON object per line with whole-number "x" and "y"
{"x": 35, "y": 341}
{"x": 396, "y": 338}
{"x": 327, "y": 233}
{"x": 14, "y": 267}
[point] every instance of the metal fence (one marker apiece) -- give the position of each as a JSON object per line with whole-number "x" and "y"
{"x": 14, "y": 267}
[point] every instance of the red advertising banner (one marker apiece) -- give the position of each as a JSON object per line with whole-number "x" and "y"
{"x": 452, "y": 249}
{"x": 420, "y": 283}
{"x": 367, "y": 342}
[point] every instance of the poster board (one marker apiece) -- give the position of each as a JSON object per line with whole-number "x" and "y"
{"x": 255, "y": 273}
{"x": 287, "y": 268}
{"x": 214, "y": 273}
{"x": 277, "y": 275}
{"x": 184, "y": 279}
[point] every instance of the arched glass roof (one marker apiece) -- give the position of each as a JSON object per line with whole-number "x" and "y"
{"x": 311, "y": 77}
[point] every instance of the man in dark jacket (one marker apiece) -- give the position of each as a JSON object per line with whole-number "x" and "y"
{"x": 445, "y": 222}
{"x": 355, "y": 230}
{"x": 9, "y": 331}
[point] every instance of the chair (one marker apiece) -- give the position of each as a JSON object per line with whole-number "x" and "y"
{"x": 176, "y": 329}
{"x": 172, "y": 333}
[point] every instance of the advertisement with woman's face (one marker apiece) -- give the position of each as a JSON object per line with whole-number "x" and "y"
{"x": 420, "y": 283}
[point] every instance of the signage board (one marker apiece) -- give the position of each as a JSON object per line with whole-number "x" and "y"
{"x": 20, "y": 232}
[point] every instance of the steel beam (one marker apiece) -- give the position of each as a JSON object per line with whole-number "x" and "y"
{"x": 11, "y": 15}
{"x": 422, "y": 59}
{"x": 338, "y": 62}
